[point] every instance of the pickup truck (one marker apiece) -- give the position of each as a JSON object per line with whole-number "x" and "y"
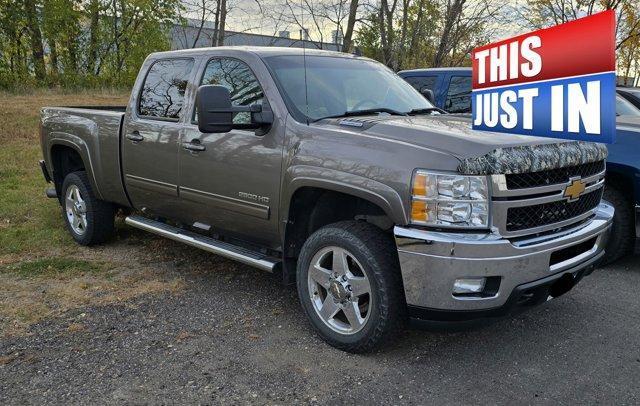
{"x": 623, "y": 178}
{"x": 331, "y": 170}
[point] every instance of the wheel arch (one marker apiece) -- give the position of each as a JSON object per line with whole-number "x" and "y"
{"x": 70, "y": 155}
{"x": 312, "y": 203}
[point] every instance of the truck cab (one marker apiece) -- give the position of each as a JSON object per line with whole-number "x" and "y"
{"x": 451, "y": 87}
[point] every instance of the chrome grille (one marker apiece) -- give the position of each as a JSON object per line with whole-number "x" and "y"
{"x": 526, "y": 217}
{"x": 543, "y": 206}
{"x": 553, "y": 176}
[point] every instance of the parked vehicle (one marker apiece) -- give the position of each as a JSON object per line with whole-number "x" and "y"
{"x": 448, "y": 88}
{"x": 623, "y": 181}
{"x": 631, "y": 94}
{"x": 375, "y": 204}
{"x": 451, "y": 89}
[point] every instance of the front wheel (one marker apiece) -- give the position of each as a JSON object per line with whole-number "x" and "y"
{"x": 88, "y": 219}
{"x": 349, "y": 285}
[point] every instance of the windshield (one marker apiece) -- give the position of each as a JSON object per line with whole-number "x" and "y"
{"x": 336, "y": 86}
{"x": 625, "y": 108}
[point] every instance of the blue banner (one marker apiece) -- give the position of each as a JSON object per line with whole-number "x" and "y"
{"x": 578, "y": 108}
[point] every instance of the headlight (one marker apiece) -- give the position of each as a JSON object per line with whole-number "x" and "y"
{"x": 449, "y": 200}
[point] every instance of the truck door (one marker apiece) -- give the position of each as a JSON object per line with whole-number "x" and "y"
{"x": 151, "y": 136}
{"x": 231, "y": 181}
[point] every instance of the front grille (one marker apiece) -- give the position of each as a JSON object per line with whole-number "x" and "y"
{"x": 553, "y": 176}
{"x": 522, "y": 218}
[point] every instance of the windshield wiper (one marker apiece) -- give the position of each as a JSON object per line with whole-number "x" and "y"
{"x": 427, "y": 110}
{"x": 365, "y": 112}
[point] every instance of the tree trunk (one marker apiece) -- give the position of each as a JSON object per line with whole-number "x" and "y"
{"x": 94, "y": 12}
{"x": 37, "y": 50}
{"x": 223, "y": 18}
{"x": 202, "y": 21}
{"x": 351, "y": 22}
{"x": 451, "y": 16}
{"x": 53, "y": 56}
{"x": 216, "y": 26}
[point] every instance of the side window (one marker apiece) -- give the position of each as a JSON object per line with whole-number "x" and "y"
{"x": 420, "y": 82}
{"x": 459, "y": 95}
{"x": 163, "y": 89}
{"x": 236, "y": 76}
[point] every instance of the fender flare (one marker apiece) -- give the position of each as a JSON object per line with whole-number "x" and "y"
{"x": 377, "y": 193}
{"x": 79, "y": 145}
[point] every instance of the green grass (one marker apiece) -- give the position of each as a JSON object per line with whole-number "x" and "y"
{"x": 29, "y": 222}
{"x": 55, "y": 267}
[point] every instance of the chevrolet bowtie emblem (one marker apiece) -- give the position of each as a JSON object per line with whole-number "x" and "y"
{"x": 574, "y": 190}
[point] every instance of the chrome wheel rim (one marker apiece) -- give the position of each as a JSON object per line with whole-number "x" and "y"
{"x": 339, "y": 290}
{"x": 76, "y": 210}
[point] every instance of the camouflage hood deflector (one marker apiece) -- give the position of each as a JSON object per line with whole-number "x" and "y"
{"x": 534, "y": 158}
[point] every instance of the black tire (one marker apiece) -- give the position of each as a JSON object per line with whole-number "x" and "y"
{"x": 376, "y": 252}
{"x": 100, "y": 215}
{"x": 622, "y": 238}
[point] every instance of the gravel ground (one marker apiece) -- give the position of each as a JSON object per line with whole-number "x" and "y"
{"x": 234, "y": 335}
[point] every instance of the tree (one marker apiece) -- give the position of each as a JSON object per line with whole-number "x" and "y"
{"x": 421, "y": 33}
{"x": 35, "y": 35}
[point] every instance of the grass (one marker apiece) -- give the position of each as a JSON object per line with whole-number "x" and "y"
{"x": 42, "y": 270}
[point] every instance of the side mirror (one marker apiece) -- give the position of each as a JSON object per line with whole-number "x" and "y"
{"x": 428, "y": 94}
{"x": 214, "y": 109}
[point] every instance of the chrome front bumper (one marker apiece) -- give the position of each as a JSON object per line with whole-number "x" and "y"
{"x": 432, "y": 261}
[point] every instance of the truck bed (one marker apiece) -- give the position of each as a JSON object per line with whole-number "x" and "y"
{"x": 94, "y": 133}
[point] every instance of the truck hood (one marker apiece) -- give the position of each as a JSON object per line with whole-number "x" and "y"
{"x": 479, "y": 152}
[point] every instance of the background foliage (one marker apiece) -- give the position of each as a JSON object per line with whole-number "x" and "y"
{"x": 102, "y": 43}
{"x": 80, "y": 43}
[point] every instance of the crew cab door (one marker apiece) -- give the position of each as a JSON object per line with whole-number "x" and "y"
{"x": 151, "y": 135}
{"x": 230, "y": 182}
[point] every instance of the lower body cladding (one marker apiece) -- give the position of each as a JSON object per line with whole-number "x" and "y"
{"x": 462, "y": 276}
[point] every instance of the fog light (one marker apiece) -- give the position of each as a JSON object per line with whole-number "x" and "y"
{"x": 467, "y": 286}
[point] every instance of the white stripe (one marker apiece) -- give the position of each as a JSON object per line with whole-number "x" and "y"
{"x": 540, "y": 81}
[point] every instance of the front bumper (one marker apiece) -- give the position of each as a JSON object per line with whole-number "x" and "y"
{"x": 522, "y": 272}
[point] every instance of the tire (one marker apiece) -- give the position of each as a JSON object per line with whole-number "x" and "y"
{"x": 95, "y": 218}
{"x": 622, "y": 238}
{"x": 372, "y": 261}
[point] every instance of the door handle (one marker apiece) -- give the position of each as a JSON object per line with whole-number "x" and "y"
{"x": 135, "y": 137}
{"x": 193, "y": 146}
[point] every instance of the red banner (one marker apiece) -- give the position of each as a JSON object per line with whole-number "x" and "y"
{"x": 580, "y": 47}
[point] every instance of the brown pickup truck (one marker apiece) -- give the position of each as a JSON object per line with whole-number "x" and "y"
{"x": 331, "y": 170}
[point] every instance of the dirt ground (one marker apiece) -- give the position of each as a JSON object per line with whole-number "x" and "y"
{"x": 233, "y": 334}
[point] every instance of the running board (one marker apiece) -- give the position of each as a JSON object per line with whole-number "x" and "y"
{"x": 214, "y": 246}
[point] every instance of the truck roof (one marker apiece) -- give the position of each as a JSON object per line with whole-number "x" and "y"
{"x": 257, "y": 50}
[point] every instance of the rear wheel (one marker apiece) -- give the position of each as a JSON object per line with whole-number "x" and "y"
{"x": 88, "y": 219}
{"x": 349, "y": 285}
{"x": 622, "y": 237}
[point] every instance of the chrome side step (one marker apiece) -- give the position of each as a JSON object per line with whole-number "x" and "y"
{"x": 224, "y": 249}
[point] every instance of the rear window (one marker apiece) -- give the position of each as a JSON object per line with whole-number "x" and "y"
{"x": 422, "y": 82}
{"x": 162, "y": 93}
{"x": 459, "y": 95}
